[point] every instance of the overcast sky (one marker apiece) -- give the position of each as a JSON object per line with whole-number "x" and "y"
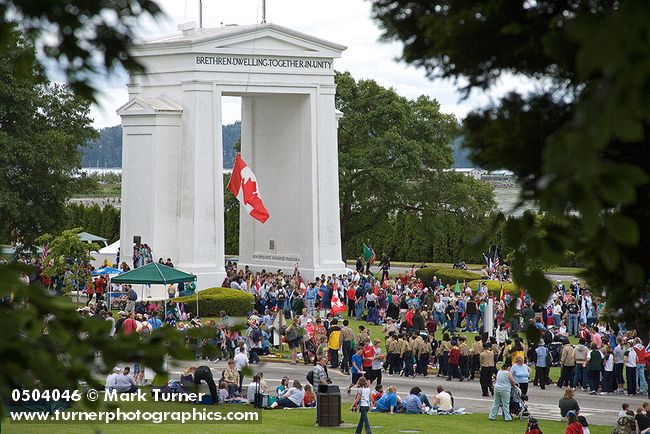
{"x": 346, "y": 22}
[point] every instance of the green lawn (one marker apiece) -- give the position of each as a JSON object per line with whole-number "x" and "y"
{"x": 297, "y": 421}
{"x": 569, "y": 271}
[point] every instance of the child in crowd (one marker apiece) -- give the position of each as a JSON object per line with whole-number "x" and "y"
{"x": 379, "y": 391}
{"x": 223, "y": 391}
{"x": 310, "y": 397}
{"x": 283, "y": 387}
{"x": 533, "y": 427}
{"x": 625, "y": 408}
{"x": 453, "y": 369}
{"x": 585, "y": 424}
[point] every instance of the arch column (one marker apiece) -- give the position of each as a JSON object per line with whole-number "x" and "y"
{"x": 200, "y": 209}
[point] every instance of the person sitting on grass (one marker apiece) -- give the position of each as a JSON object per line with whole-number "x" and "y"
{"x": 110, "y": 380}
{"x": 283, "y": 387}
{"x": 310, "y": 397}
{"x": 223, "y": 391}
{"x": 443, "y": 401}
{"x": 125, "y": 383}
{"x": 642, "y": 421}
{"x": 231, "y": 377}
{"x": 253, "y": 388}
{"x": 416, "y": 402}
{"x": 389, "y": 402}
{"x": 585, "y": 425}
{"x": 379, "y": 391}
{"x": 292, "y": 398}
{"x": 533, "y": 427}
{"x": 568, "y": 403}
{"x": 573, "y": 427}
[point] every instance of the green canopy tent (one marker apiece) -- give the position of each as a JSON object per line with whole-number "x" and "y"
{"x": 155, "y": 274}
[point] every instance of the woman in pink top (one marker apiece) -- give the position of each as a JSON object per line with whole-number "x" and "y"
{"x": 596, "y": 338}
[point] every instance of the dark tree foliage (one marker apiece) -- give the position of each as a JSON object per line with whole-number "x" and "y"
{"x": 47, "y": 344}
{"x": 393, "y": 153}
{"x": 41, "y": 128}
{"x": 85, "y": 38}
{"x": 579, "y": 143}
{"x": 104, "y": 222}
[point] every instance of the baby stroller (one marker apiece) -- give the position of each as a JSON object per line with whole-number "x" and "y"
{"x": 518, "y": 406}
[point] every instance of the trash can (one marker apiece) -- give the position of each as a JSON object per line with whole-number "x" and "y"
{"x": 328, "y": 405}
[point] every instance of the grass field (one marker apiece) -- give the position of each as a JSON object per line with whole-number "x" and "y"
{"x": 294, "y": 421}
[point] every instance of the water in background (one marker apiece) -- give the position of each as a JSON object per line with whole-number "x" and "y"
{"x": 506, "y": 199}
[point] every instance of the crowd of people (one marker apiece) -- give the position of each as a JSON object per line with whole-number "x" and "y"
{"x": 428, "y": 327}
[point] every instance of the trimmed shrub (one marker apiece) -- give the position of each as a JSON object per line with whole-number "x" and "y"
{"x": 214, "y": 300}
{"x": 451, "y": 275}
{"x": 426, "y": 274}
{"x": 495, "y": 286}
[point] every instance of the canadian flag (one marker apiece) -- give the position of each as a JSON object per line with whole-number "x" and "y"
{"x": 337, "y": 305}
{"x": 243, "y": 185}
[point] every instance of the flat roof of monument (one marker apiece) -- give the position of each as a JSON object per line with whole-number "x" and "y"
{"x": 200, "y": 35}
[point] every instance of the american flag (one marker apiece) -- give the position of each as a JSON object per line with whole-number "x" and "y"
{"x": 496, "y": 259}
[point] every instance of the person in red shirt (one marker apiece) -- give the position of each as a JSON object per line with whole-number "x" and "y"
{"x": 374, "y": 397}
{"x": 368, "y": 355}
{"x": 409, "y": 318}
{"x": 100, "y": 285}
{"x": 90, "y": 290}
{"x": 129, "y": 325}
{"x": 352, "y": 293}
{"x": 574, "y": 427}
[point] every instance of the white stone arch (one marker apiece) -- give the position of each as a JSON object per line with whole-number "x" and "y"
{"x": 172, "y": 149}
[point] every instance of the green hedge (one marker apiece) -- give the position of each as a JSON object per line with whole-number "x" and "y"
{"x": 426, "y": 274}
{"x": 451, "y": 275}
{"x": 214, "y": 300}
{"x": 495, "y": 286}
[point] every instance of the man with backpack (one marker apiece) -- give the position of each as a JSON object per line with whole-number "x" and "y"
{"x": 318, "y": 375}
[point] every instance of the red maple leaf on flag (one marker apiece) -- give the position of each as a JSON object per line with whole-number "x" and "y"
{"x": 251, "y": 197}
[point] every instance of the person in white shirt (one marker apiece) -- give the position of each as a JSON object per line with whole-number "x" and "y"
{"x": 304, "y": 318}
{"x": 111, "y": 379}
{"x": 442, "y": 401}
{"x": 608, "y": 373}
{"x": 241, "y": 361}
{"x": 630, "y": 370}
{"x": 362, "y": 403}
{"x": 124, "y": 383}
{"x": 292, "y": 398}
{"x": 377, "y": 361}
{"x": 253, "y": 388}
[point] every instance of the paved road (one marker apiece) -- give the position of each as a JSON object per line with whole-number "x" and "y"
{"x": 599, "y": 410}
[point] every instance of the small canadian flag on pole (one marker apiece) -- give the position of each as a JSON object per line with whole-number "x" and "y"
{"x": 243, "y": 185}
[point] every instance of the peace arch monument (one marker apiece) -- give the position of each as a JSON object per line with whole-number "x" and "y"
{"x": 172, "y": 157}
